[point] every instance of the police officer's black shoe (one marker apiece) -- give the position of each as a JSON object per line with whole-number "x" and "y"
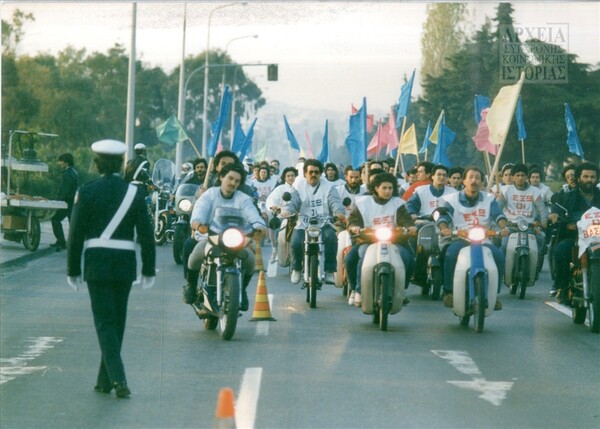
{"x": 102, "y": 389}
{"x": 121, "y": 390}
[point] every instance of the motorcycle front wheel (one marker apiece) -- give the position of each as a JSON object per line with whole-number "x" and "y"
{"x": 479, "y": 315}
{"x": 179, "y": 235}
{"x": 313, "y": 280}
{"x": 160, "y": 230}
{"x": 229, "y": 312}
{"x": 436, "y": 282}
{"x": 524, "y": 275}
{"x": 594, "y": 298}
{"x": 384, "y": 300}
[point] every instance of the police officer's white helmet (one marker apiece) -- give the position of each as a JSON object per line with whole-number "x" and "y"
{"x": 109, "y": 147}
{"x": 139, "y": 146}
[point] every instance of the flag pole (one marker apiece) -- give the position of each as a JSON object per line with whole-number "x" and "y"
{"x": 523, "y": 150}
{"x": 399, "y": 155}
{"x": 501, "y": 148}
{"x": 194, "y": 147}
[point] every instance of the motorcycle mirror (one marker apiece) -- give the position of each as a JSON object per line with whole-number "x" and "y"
{"x": 286, "y": 196}
{"x": 346, "y": 201}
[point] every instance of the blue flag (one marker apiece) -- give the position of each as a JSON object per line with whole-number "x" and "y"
{"x": 481, "y": 102}
{"x": 445, "y": 138}
{"x": 520, "y": 123}
{"x": 290, "y": 135}
{"x": 217, "y": 126}
{"x": 426, "y": 141}
{"x": 248, "y": 141}
{"x": 404, "y": 101}
{"x": 572, "y": 138}
{"x": 357, "y": 136}
{"x": 324, "y": 155}
{"x": 238, "y": 138}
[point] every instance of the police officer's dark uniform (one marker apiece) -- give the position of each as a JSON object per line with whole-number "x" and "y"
{"x": 106, "y": 213}
{"x": 137, "y": 170}
{"x": 69, "y": 181}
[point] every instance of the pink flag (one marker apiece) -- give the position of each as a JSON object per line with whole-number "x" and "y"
{"x": 370, "y": 119}
{"x": 376, "y": 142}
{"x": 309, "y": 148}
{"x": 391, "y": 134}
{"x": 482, "y": 138}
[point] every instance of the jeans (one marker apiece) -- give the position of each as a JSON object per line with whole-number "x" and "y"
{"x": 355, "y": 258}
{"x": 451, "y": 257}
{"x": 330, "y": 244}
{"x": 57, "y": 228}
{"x": 562, "y": 259}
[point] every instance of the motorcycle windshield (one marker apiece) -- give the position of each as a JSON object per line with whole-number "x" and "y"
{"x": 227, "y": 217}
{"x": 163, "y": 173}
{"x": 186, "y": 190}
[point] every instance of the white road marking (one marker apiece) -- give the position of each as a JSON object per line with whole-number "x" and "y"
{"x": 262, "y": 327}
{"x": 11, "y": 368}
{"x": 245, "y": 408}
{"x": 492, "y": 391}
{"x": 567, "y": 311}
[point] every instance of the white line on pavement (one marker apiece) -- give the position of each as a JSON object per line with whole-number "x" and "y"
{"x": 10, "y": 368}
{"x": 245, "y": 410}
{"x": 564, "y": 310}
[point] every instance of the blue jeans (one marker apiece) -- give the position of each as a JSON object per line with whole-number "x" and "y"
{"x": 330, "y": 244}
{"x": 451, "y": 258}
{"x": 356, "y": 256}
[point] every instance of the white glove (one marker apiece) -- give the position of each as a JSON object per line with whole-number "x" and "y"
{"x": 75, "y": 282}
{"x": 147, "y": 282}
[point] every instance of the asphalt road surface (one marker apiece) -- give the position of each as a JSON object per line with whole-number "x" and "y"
{"x": 328, "y": 367}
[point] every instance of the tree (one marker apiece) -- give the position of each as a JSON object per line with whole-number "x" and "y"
{"x": 12, "y": 32}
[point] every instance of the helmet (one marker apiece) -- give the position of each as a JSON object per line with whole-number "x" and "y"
{"x": 139, "y": 146}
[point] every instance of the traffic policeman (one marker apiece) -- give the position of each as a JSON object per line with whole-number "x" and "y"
{"x": 106, "y": 214}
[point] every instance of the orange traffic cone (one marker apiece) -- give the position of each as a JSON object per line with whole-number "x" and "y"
{"x": 262, "y": 309}
{"x": 225, "y": 412}
{"x": 259, "y": 262}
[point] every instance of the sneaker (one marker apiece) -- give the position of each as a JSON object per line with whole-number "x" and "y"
{"x": 448, "y": 300}
{"x": 329, "y": 278}
{"x": 295, "y": 277}
{"x": 351, "y": 298}
{"x": 189, "y": 294}
{"x": 357, "y": 299}
{"x": 498, "y": 305}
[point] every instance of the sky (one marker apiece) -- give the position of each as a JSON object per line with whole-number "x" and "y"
{"x": 330, "y": 54}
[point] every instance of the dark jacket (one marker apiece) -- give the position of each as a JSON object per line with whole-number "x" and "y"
{"x": 67, "y": 188}
{"x": 95, "y": 206}
{"x": 576, "y": 206}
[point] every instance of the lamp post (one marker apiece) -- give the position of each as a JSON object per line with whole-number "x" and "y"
{"x": 205, "y": 104}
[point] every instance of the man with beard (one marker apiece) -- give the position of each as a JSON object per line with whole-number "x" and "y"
{"x": 584, "y": 196}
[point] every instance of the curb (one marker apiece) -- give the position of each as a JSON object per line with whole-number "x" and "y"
{"x": 23, "y": 259}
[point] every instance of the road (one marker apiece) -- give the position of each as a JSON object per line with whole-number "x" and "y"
{"x": 328, "y": 367}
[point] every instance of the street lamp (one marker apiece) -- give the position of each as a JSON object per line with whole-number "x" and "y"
{"x": 205, "y": 105}
{"x": 254, "y": 36}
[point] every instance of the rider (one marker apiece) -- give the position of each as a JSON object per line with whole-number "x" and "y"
{"x": 455, "y": 177}
{"x": 225, "y": 195}
{"x": 351, "y": 188}
{"x": 264, "y": 185}
{"x": 199, "y": 174}
{"x": 568, "y": 175}
{"x": 466, "y": 209}
{"x": 137, "y": 170}
{"x": 423, "y": 202}
{"x": 524, "y": 201}
{"x": 333, "y": 174}
{"x": 384, "y": 207}
{"x": 578, "y": 201}
{"x": 318, "y": 198}
{"x": 424, "y": 172}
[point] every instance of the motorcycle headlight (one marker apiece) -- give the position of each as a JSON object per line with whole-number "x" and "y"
{"x": 523, "y": 225}
{"x": 477, "y": 234}
{"x": 313, "y": 231}
{"x": 233, "y": 238}
{"x": 383, "y": 234}
{"x": 185, "y": 205}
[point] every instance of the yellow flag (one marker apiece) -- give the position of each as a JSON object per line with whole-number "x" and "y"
{"x": 502, "y": 111}
{"x": 433, "y": 138}
{"x": 408, "y": 143}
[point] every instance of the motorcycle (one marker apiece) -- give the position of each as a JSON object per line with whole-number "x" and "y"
{"x": 475, "y": 278}
{"x": 344, "y": 246}
{"x": 429, "y": 255}
{"x": 314, "y": 260}
{"x": 521, "y": 257}
{"x": 284, "y": 224}
{"x": 163, "y": 179}
{"x": 382, "y": 274}
{"x": 583, "y": 292}
{"x": 185, "y": 197}
{"x": 221, "y": 271}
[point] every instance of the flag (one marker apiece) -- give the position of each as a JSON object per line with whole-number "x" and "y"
{"x": 216, "y": 126}
{"x": 408, "y": 142}
{"x": 390, "y": 133}
{"x": 309, "y": 146}
{"x": 482, "y": 137}
{"x": 242, "y": 142}
{"x": 433, "y": 138}
{"x": 290, "y": 135}
{"x": 357, "y": 136}
{"x": 375, "y": 144}
{"x": 370, "y": 119}
{"x": 324, "y": 155}
{"x": 425, "y": 145}
{"x": 481, "y": 102}
{"x": 445, "y": 138}
{"x": 171, "y": 131}
{"x": 502, "y": 110}
{"x": 520, "y": 123}
{"x": 572, "y": 138}
{"x": 404, "y": 101}
{"x": 261, "y": 154}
